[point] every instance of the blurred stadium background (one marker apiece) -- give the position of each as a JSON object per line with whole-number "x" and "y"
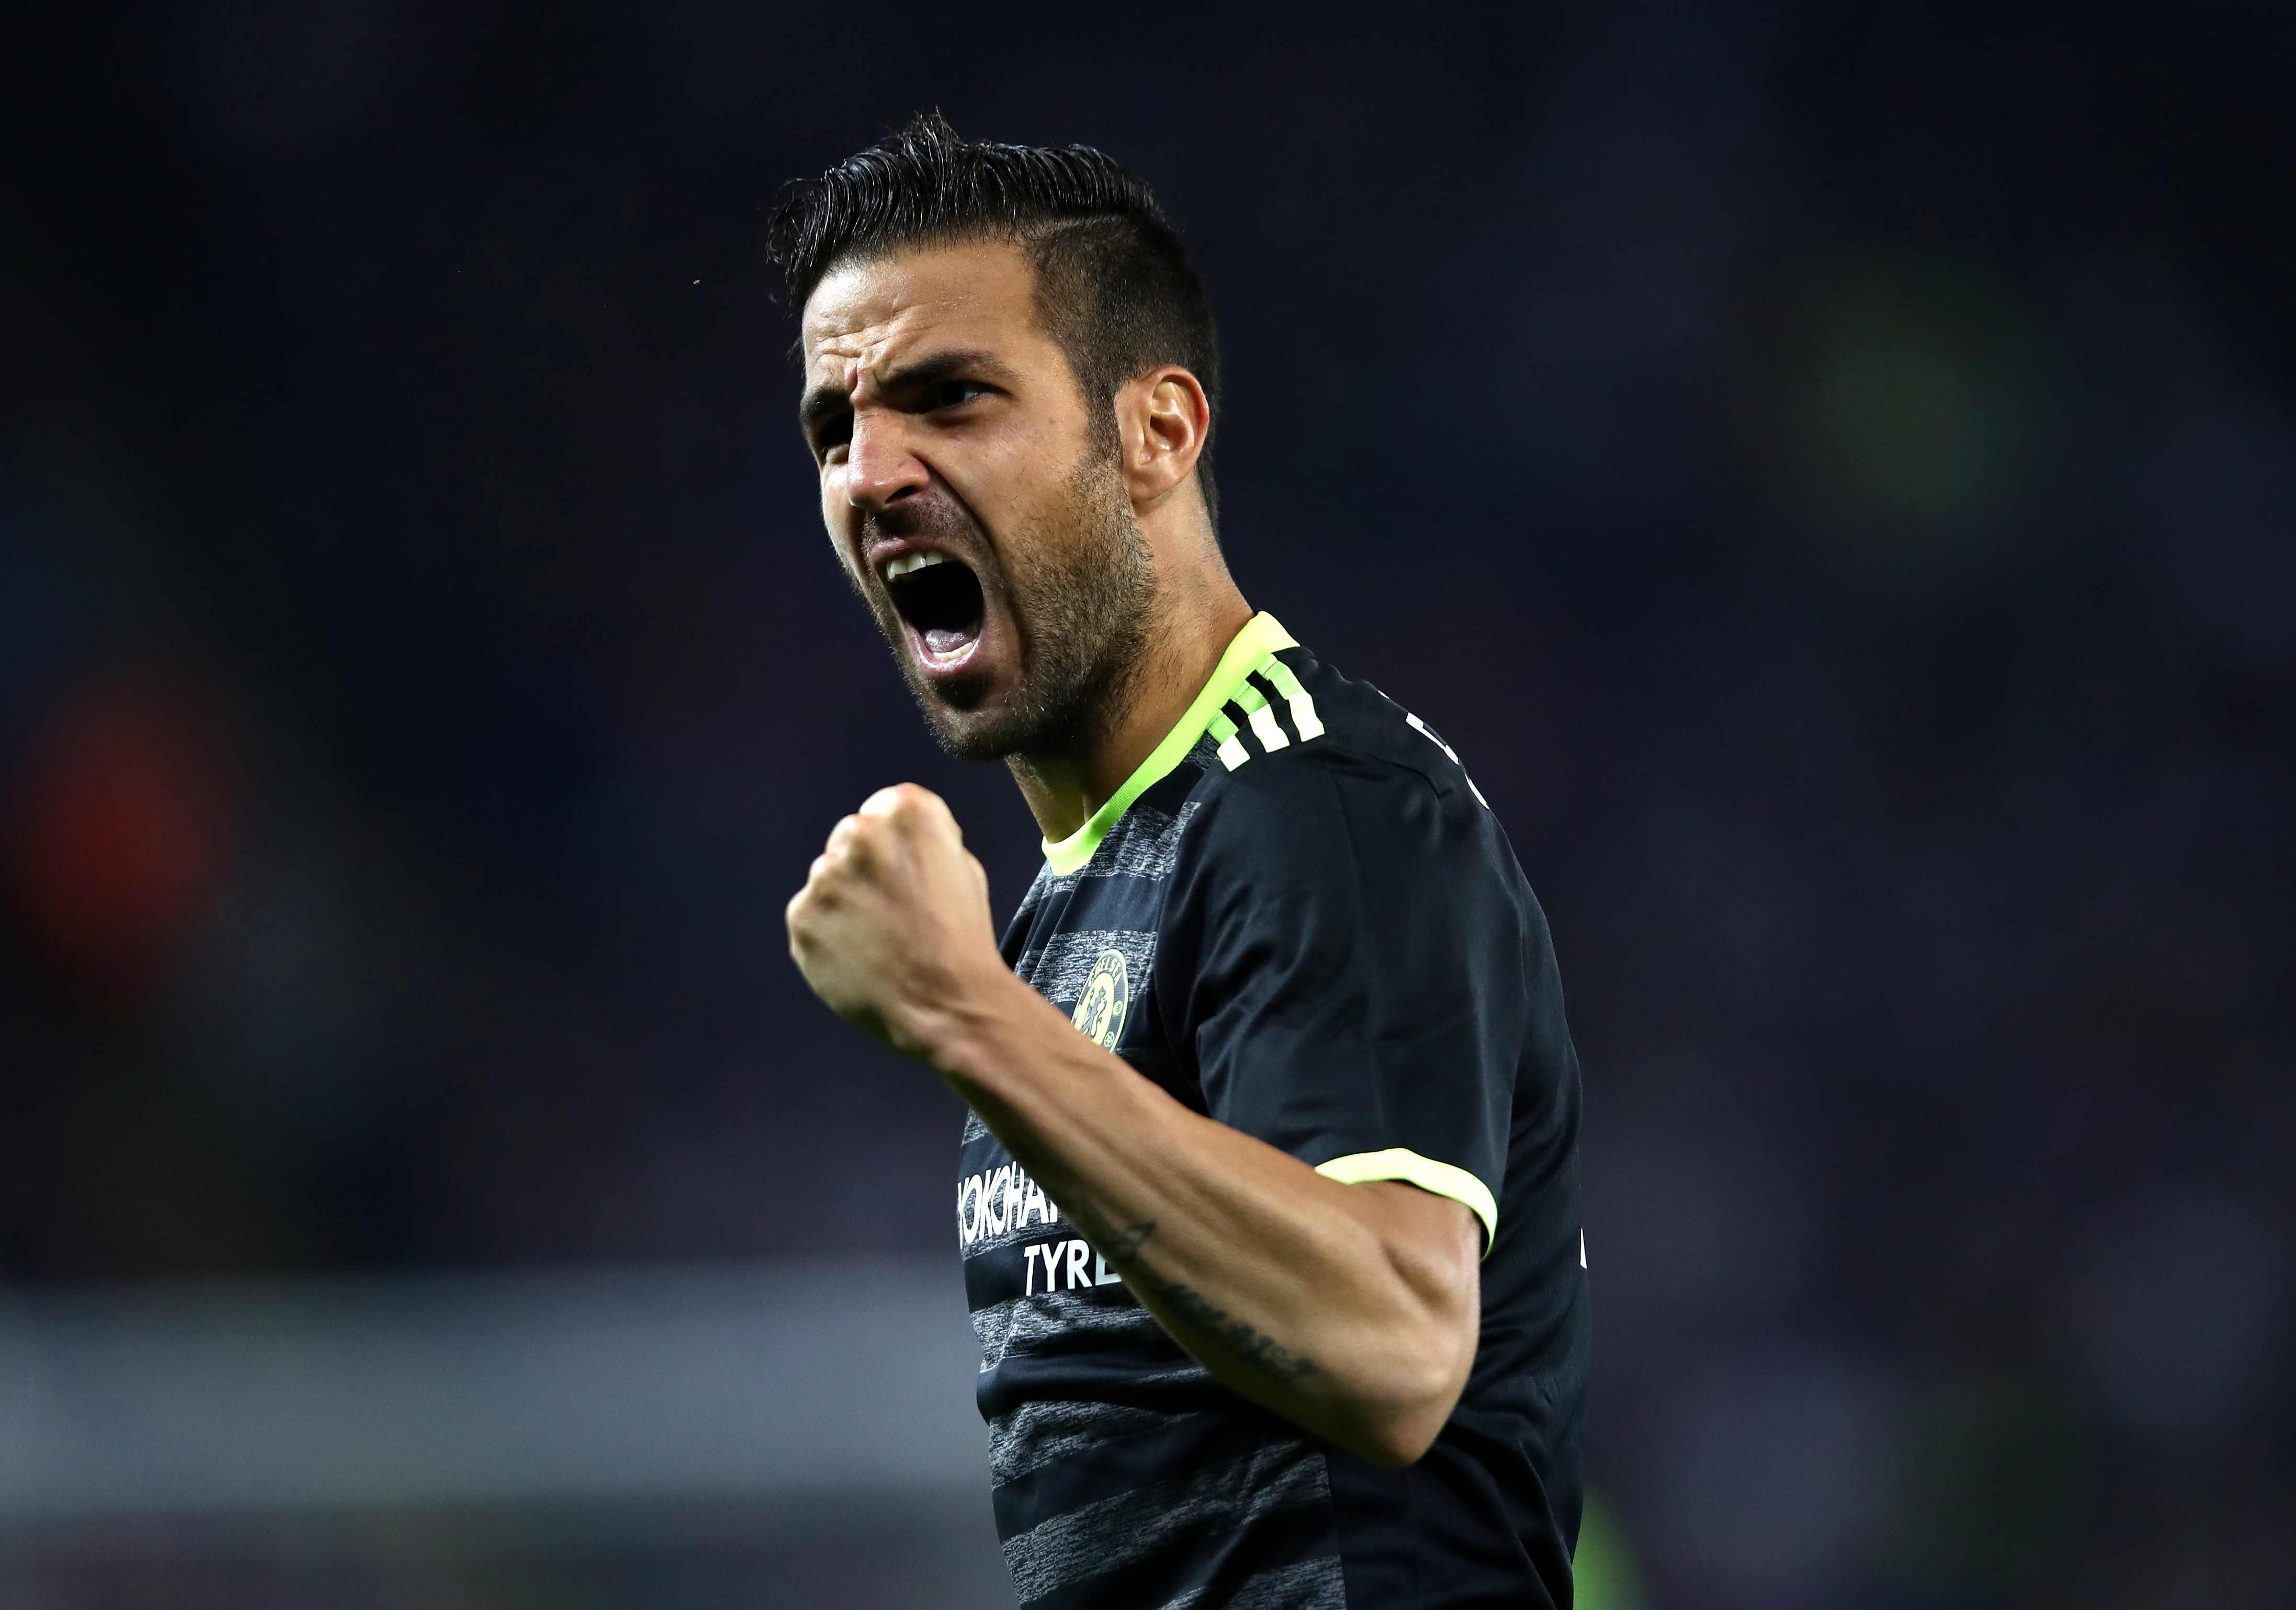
{"x": 1830, "y": 469}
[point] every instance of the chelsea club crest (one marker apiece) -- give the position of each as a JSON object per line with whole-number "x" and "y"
{"x": 1107, "y": 997}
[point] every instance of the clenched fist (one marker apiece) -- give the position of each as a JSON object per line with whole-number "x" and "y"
{"x": 892, "y": 928}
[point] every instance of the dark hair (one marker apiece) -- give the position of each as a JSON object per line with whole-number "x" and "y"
{"x": 1114, "y": 286}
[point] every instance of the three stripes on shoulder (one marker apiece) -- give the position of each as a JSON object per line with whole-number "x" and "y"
{"x": 1259, "y": 714}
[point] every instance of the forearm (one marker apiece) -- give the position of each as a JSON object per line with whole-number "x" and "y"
{"x": 1314, "y": 1298}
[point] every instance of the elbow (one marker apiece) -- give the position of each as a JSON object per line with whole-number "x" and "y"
{"x": 1397, "y": 1431}
{"x": 1399, "y": 1442}
{"x": 1400, "y": 1447}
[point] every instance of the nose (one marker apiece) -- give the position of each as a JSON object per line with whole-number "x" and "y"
{"x": 879, "y": 469}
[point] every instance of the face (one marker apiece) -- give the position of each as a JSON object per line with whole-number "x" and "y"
{"x": 995, "y": 543}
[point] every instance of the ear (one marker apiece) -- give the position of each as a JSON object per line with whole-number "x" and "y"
{"x": 1162, "y": 420}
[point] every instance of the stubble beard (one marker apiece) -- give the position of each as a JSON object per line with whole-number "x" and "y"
{"x": 1082, "y": 619}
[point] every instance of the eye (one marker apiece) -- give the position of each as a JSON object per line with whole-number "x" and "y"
{"x": 953, "y": 394}
{"x": 831, "y": 433}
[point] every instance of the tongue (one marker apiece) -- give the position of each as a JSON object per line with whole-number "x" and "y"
{"x": 946, "y": 639}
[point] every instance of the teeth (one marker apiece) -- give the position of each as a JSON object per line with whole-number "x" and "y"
{"x": 908, "y": 562}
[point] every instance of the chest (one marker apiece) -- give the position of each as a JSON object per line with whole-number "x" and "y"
{"x": 1089, "y": 946}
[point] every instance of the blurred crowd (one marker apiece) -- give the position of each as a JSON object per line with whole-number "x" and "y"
{"x": 1831, "y": 471}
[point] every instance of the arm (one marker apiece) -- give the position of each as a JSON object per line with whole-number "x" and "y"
{"x": 1351, "y": 1310}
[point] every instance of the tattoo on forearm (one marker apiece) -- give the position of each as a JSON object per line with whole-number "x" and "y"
{"x": 1264, "y": 1353}
{"x": 1122, "y": 1249}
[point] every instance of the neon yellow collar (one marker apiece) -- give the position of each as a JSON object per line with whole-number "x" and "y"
{"x": 1261, "y": 636}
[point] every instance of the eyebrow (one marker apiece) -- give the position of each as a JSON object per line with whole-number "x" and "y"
{"x": 825, "y": 401}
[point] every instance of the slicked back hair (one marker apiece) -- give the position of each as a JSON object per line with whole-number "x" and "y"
{"x": 1114, "y": 287}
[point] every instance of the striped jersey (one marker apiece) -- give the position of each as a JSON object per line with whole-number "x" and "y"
{"x": 1299, "y": 918}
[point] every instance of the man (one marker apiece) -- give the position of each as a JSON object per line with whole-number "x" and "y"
{"x": 1268, "y": 1195}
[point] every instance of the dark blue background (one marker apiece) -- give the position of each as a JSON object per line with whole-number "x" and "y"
{"x": 1830, "y": 471}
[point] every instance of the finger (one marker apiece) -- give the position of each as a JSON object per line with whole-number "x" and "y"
{"x": 934, "y": 810}
{"x": 824, "y": 881}
{"x": 798, "y": 917}
{"x": 908, "y": 803}
{"x": 855, "y": 848}
{"x": 920, "y": 810}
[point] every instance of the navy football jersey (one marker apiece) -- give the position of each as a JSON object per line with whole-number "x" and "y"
{"x": 1299, "y": 918}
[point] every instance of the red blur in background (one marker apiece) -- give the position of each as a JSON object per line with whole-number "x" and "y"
{"x": 120, "y": 827}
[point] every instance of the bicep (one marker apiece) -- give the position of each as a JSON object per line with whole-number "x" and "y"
{"x": 1434, "y": 1244}
{"x": 1357, "y": 994}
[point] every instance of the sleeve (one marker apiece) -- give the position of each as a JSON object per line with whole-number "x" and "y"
{"x": 1357, "y": 995}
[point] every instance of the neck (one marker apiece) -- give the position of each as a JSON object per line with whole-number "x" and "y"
{"x": 1191, "y": 625}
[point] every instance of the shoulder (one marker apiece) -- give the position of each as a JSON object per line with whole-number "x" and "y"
{"x": 1307, "y": 768}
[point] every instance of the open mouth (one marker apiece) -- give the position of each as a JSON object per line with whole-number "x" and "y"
{"x": 940, "y": 599}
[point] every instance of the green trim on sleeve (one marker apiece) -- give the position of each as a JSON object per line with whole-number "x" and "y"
{"x": 1442, "y": 1179}
{"x": 1262, "y": 635}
